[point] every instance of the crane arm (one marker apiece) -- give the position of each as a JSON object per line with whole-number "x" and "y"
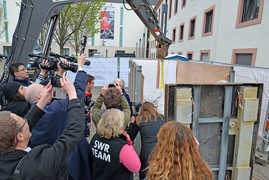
{"x": 34, "y": 13}
{"x": 148, "y": 16}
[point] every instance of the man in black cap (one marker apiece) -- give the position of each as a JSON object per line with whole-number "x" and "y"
{"x": 14, "y": 95}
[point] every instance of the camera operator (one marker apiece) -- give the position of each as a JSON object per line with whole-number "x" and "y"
{"x": 112, "y": 98}
{"x": 20, "y": 74}
{"x": 47, "y": 129}
{"x": 14, "y": 91}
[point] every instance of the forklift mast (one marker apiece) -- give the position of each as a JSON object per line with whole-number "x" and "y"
{"x": 35, "y": 13}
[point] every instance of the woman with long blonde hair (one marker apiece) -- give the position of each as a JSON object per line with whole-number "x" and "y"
{"x": 176, "y": 155}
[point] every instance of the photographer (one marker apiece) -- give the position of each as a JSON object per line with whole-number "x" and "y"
{"x": 112, "y": 98}
{"x": 20, "y": 74}
{"x": 44, "y": 161}
{"x": 47, "y": 130}
{"x": 51, "y": 125}
{"x": 14, "y": 91}
{"x": 122, "y": 85}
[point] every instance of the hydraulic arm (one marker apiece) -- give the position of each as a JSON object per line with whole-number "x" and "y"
{"x": 34, "y": 13}
{"x": 148, "y": 16}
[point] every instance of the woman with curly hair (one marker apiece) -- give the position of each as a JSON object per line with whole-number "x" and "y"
{"x": 148, "y": 123}
{"x": 176, "y": 156}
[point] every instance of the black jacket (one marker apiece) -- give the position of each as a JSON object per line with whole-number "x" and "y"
{"x": 20, "y": 107}
{"x": 52, "y": 124}
{"x": 46, "y": 161}
{"x": 105, "y": 159}
{"x": 23, "y": 82}
{"x": 148, "y": 131}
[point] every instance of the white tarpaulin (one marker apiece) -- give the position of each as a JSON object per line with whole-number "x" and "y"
{"x": 150, "y": 70}
{"x": 255, "y": 75}
{"x": 169, "y": 77}
{"x": 124, "y": 70}
{"x": 151, "y": 93}
{"x": 105, "y": 70}
{"x": 170, "y": 72}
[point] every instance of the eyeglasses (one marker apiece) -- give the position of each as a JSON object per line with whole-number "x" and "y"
{"x": 23, "y": 69}
{"x": 25, "y": 121}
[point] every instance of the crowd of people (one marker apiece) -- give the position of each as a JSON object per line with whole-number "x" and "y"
{"x": 48, "y": 138}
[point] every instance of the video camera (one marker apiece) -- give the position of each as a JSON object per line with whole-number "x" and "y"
{"x": 53, "y": 59}
{"x": 111, "y": 86}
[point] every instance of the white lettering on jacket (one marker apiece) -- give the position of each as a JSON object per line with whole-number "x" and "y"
{"x": 100, "y": 150}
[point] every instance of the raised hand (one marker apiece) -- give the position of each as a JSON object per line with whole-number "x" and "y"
{"x": 117, "y": 85}
{"x": 128, "y": 139}
{"x": 45, "y": 96}
{"x": 68, "y": 88}
{"x": 103, "y": 90}
{"x": 44, "y": 72}
{"x": 81, "y": 60}
{"x": 60, "y": 70}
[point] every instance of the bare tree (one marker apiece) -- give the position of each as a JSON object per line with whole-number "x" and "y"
{"x": 76, "y": 20}
{"x": 89, "y": 27}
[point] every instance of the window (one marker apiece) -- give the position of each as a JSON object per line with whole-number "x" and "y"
{"x": 170, "y": 8}
{"x": 249, "y": 12}
{"x": 243, "y": 59}
{"x": 205, "y": 55}
{"x": 176, "y": 4}
{"x": 174, "y": 35}
{"x": 192, "y": 28}
{"x": 66, "y": 51}
{"x": 183, "y": 3}
{"x": 189, "y": 55}
{"x": 181, "y": 32}
{"x": 244, "y": 56}
{"x": 208, "y": 22}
